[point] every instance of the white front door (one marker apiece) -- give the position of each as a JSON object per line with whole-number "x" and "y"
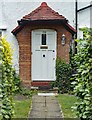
{"x": 43, "y": 55}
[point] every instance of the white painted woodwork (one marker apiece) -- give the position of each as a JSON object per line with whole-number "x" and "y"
{"x": 43, "y": 68}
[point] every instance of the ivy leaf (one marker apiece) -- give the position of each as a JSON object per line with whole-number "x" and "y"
{"x": 84, "y": 72}
{"x": 7, "y": 116}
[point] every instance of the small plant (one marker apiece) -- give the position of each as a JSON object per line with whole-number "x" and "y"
{"x": 27, "y": 92}
{"x": 63, "y": 74}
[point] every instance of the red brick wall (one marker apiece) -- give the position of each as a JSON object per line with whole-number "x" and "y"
{"x": 24, "y": 40}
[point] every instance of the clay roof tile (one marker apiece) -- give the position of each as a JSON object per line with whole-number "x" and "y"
{"x": 43, "y": 12}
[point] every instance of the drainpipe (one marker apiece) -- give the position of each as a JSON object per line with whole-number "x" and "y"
{"x": 76, "y": 15}
{"x": 76, "y": 23}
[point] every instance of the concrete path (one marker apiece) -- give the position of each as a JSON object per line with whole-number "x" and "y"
{"x": 45, "y": 107}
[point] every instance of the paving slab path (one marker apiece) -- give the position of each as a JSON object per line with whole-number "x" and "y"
{"x": 45, "y": 107}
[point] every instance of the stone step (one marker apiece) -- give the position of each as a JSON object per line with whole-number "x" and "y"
{"x": 45, "y": 89}
{"x": 47, "y": 94}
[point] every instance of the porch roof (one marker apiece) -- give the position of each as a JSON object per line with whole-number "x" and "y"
{"x": 43, "y": 14}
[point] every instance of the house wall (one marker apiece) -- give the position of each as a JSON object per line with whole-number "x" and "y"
{"x": 24, "y": 41}
{"x": 11, "y": 11}
{"x": 15, "y": 10}
{"x": 84, "y": 17}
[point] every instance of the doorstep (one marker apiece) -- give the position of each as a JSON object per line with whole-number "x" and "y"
{"x": 47, "y": 94}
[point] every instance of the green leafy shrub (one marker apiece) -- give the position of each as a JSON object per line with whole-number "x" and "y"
{"x": 6, "y": 80}
{"x": 27, "y": 92}
{"x": 83, "y": 79}
{"x": 63, "y": 74}
{"x": 16, "y": 81}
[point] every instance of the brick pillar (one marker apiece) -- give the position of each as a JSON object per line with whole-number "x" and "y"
{"x": 24, "y": 40}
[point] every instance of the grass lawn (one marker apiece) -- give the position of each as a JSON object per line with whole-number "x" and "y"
{"x": 66, "y": 102}
{"x": 22, "y": 108}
